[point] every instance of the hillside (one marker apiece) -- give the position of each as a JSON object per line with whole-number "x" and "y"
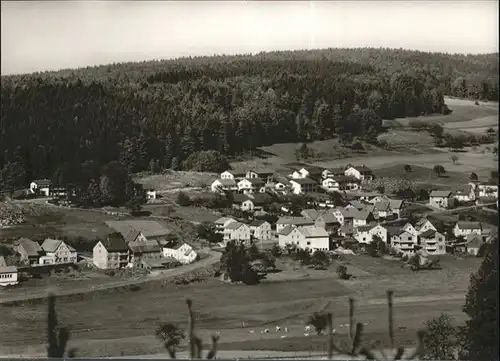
{"x": 156, "y": 114}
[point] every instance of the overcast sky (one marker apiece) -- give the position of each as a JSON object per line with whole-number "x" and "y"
{"x": 66, "y": 34}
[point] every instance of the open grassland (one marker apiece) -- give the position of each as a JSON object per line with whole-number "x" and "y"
{"x": 405, "y": 146}
{"x": 112, "y": 324}
{"x": 175, "y": 180}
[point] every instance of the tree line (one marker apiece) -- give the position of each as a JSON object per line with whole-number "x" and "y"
{"x": 154, "y": 115}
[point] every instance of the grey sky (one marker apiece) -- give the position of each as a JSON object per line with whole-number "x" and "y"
{"x": 65, "y": 34}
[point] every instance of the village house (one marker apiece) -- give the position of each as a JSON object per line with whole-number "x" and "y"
{"x": 432, "y": 241}
{"x": 139, "y": 230}
{"x": 473, "y": 244}
{"x": 59, "y": 252}
{"x": 346, "y": 230}
{"x": 111, "y": 253}
{"x": 463, "y": 228}
{"x": 362, "y": 173}
{"x": 424, "y": 225}
{"x": 58, "y": 192}
{"x": 365, "y": 196}
{"x": 328, "y": 222}
{"x": 408, "y": 227}
{"x": 440, "y": 199}
{"x": 295, "y": 221}
{"x": 332, "y": 173}
{"x": 299, "y": 173}
{"x": 29, "y": 251}
{"x": 221, "y": 223}
{"x": 465, "y": 194}
{"x": 227, "y": 175}
{"x": 250, "y": 185}
{"x": 243, "y": 202}
{"x": 223, "y": 185}
{"x": 265, "y": 175}
{"x": 260, "y": 229}
{"x": 383, "y": 209}
{"x": 361, "y": 218}
{"x": 310, "y": 213}
{"x": 366, "y": 234}
{"x": 487, "y": 190}
{"x": 8, "y": 276}
{"x": 236, "y": 231}
{"x": 183, "y": 253}
{"x": 305, "y": 237}
{"x": 150, "y": 194}
{"x": 143, "y": 250}
{"x": 402, "y": 240}
{"x": 41, "y": 186}
{"x": 397, "y": 206}
{"x": 303, "y": 185}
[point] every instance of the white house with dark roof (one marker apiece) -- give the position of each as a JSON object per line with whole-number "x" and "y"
{"x": 59, "y": 252}
{"x": 424, "y": 225}
{"x": 365, "y": 234}
{"x": 440, "y": 199}
{"x": 250, "y": 185}
{"x": 8, "y": 276}
{"x": 473, "y": 243}
{"x": 111, "y": 253}
{"x": 227, "y": 175}
{"x": 402, "y": 240}
{"x": 223, "y": 185}
{"x": 303, "y": 185}
{"x": 361, "y": 218}
{"x": 360, "y": 172}
{"x": 42, "y": 186}
{"x": 465, "y": 193}
{"x": 236, "y": 231}
{"x": 221, "y": 223}
{"x": 397, "y": 206}
{"x": 299, "y": 173}
{"x": 260, "y": 229}
{"x": 408, "y": 227}
{"x": 464, "y": 229}
{"x": 383, "y": 209}
{"x": 432, "y": 241}
{"x": 182, "y": 253}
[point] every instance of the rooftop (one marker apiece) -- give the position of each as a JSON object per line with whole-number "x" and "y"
{"x": 147, "y": 228}
{"x": 8, "y": 269}
{"x": 114, "y": 244}
{"x": 295, "y": 220}
{"x": 51, "y": 245}
{"x": 313, "y": 232}
{"x": 42, "y": 182}
{"x": 469, "y": 225}
{"x": 440, "y": 194}
{"x": 32, "y": 248}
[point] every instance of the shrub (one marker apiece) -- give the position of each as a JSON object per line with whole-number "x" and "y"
{"x": 342, "y": 272}
{"x": 183, "y": 199}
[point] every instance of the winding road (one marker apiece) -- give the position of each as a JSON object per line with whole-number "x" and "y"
{"x": 29, "y": 294}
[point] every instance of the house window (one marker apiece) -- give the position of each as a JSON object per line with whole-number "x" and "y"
{"x": 308, "y": 243}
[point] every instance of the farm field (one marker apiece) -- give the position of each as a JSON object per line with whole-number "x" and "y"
{"x": 110, "y": 324}
{"x": 405, "y": 146}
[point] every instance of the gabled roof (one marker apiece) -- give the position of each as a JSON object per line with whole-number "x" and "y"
{"x": 144, "y": 247}
{"x": 463, "y": 189}
{"x": 32, "y": 248}
{"x": 223, "y": 220}
{"x": 428, "y": 233}
{"x": 363, "y": 214}
{"x": 147, "y": 228}
{"x": 394, "y": 231}
{"x": 240, "y": 198}
{"x": 367, "y": 227}
{"x": 313, "y": 232}
{"x": 310, "y": 213}
{"x": 341, "y": 179}
{"x": 358, "y": 204}
{"x": 469, "y": 225}
{"x": 474, "y": 241}
{"x": 395, "y": 203}
{"x": 421, "y": 223}
{"x": 287, "y": 230}
{"x": 382, "y": 206}
{"x": 349, "y": 212}
{"x": 131, "y": 236}
{"x": 328, "y": 218}
{"x": 257, "y": 223}
{"x": 440, "y": 194}
{"x": 295, "y": 220}
{"x": 235, "y": 225}
{"x": 51, "y": 245}
{"x": 226, "y": 182}
{"x": 254, "y": 181}
{"x": 42, "y": 182}
{"x": 114, "y": 244}
{"x": 363, "y": 169}
{"x": 303, "y": 181}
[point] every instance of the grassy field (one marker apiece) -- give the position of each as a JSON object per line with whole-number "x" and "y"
{"x": 175, "y": 179}
{"x": 112, "y": 324}
{"x": 405, "y": 145}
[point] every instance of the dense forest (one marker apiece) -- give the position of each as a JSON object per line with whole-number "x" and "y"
{"x": 157, "y": 114}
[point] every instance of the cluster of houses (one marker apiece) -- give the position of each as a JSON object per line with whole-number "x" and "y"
{"x": 140, "y": 244}
{"x": 473, "y": 192}
{"x": 31, "y": 253}
{"x": 293, "y": 180}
